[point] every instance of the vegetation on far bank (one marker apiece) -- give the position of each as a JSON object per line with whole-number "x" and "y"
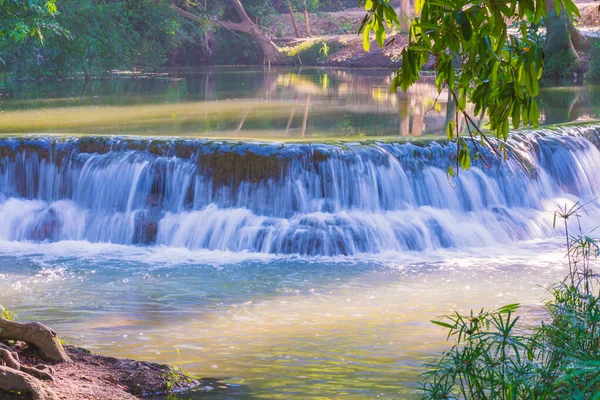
{"x": 89, "y": 39}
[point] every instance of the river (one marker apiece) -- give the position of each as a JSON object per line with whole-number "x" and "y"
{"x": 292, "y": 232}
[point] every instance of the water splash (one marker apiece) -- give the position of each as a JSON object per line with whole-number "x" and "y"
{"x": 277, "y": 198}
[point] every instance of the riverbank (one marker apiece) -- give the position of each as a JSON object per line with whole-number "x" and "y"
{"x": 96, "y": 377}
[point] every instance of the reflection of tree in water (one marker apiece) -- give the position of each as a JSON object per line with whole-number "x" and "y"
{"x": 276, "y": 102}
{"x": 417, "y": 111}
{"x": 561, "y": 105}
{"x": 425, "y": 109}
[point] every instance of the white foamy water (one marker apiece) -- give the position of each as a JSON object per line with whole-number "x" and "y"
{"x": 314, "y": 200}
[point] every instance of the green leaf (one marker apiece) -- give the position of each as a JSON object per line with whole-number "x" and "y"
{"x": 499, "y": 70}
{"x": 451, "y": 76}
{"x": 509, "y": 308}
{"x": 418, "y": 6}
{"x": 534, "y": 114}
{"x": 516, "y": 115}
{"x": 443, "y": 324}
{"x": 571, "y": 8}
{"x": 465, "y": 25}
{"x": 450, "y": 128}
{"x": 366, "y": 37}
{"x": 488, "y": 47}
{"x": 450, "y": 171}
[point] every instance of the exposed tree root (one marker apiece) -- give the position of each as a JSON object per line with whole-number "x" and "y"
{"x": 18, "y": 381}
{"x": 21, "y": 378}
{"x": 85, "y": 376}
{"x": 39, "y": 335}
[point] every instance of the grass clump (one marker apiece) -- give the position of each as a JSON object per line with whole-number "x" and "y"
{"x": 6, "y": 314}
{"x": 312, "y": 52}
{"x": 494, "y": 356}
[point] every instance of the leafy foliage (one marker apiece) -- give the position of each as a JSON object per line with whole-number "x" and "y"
{"x": 103, "y": 36}
{"x": 380, "y": 16}
{"x": 489, "y": 360}
{"x": 487, "y": 54}
{"x": 21, "y": 20}
{"x": 312, "y": 51}
{"x": 311, "y": 5}
{"x": 593, "y": 74}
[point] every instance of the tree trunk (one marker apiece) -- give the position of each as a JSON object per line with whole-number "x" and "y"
{"x": 563, "y": 42}
{"x": 21, "y": 378}
{"x": 580, "y": 42}
{"x": 293, "y": 18}
{"x": 405, "y": 14}
{"x": 271, "y": 52}
{"x": 306, "y": 20}
{"x": 561, "y": 33}
{"x": 86, "y": 74}
{"x": 207, "y": 48}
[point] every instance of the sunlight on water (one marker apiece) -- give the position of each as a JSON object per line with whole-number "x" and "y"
{"x": 293, "y": 267}
{"x": 229, "y": 102}
{"x": 286, "y": 327}
{"x": 241, "y": 103}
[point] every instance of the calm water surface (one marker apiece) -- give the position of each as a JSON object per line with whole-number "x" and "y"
{"x": 240, "y": 103}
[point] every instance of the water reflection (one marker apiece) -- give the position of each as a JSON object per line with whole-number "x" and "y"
{"x": 253, "y": 103}
{"x": 569, "y": 104}
{"x": 228, "y": 102}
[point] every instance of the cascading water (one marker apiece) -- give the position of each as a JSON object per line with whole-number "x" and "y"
{"x": 288, "y": 198}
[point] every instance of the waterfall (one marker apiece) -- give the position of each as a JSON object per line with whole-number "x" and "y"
{"x": 309, "y": 199}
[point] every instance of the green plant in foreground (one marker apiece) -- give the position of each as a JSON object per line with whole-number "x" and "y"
{"x": 495, "y": 357}
{"x": 489, "y": 359}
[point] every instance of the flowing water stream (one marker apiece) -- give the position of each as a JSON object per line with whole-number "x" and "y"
{"x": 306, "y": 265}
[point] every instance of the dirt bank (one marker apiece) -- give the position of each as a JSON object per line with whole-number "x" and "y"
{"x": 339, "y": 30}
{"x": 91, "y": 376}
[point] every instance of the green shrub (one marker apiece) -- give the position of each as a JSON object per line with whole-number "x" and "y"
{"x": 561, "y": 66}
{"x": 593, "y": 73}
{"x": 345, "y": 27}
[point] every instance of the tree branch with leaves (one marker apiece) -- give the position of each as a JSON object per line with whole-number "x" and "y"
{"x": 487, "y": 55}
